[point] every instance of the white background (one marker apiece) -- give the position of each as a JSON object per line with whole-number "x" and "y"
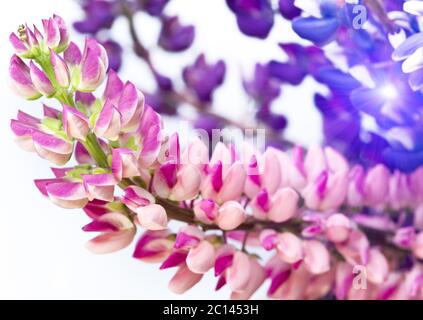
{"x": 42, "y": 252}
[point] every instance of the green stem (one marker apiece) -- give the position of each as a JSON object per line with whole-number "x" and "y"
{"x": 96, "y": 152}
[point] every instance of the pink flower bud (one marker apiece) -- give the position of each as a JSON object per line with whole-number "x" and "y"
{"x": 188, "y": 237}
{"x": 188, "y": 181}
{"x": 52, "y": 33}
{"x": 152, "y": 217}
{"x": 233, "y": 183}
{"x": 400, "y": 194}
{"x": 72, "y": 55}
{"x": 75, "y": 123}
{"x": 52, "y": 148}
{"x": 20, "y": 48}
{"x": 20, "y": 79}
{"x": 117, "y": 232}
{"x": 137, "y": 197}
{"x": 376, "y": 186}
{"x": 153, "y": 246}
{"x": 356, "y": 249}
{"x": 344, "y": 277}
{"x": 418, "y": 245}
{"x": 206, "y": 210}
{"x": 41, "y": 82}
{"x": 337, "y": 228}
{"x": 201, "y": 258}
{"x": 94, "y": 65}
{"x": 316, "y": 257}
{"x": 196, "y": 154}
{"x": 239, "y": 273}
{"x": 284, "y": 205}
{"x": 289, "y": 247}
{"x": 224, "y": 258}
{"x": 99, "y": 186}
{"x": 230, "y": 215}
{"x": 268, "y": 239}
{"x": 63, "y": 32}
{"x": 150, "y": 131}
{"x": 356, "y": 186}
{"x": 23, "y": 129}
{"x": 131, "y": 107}
{"x": 68, "y": 195}
{"x": 124, "y": 164}
{"x": 418, "y": 217}
{"x": 61, "y": 70}
{"x": 271, "y": 176}
{"x": 51, "y": 112}
{"x": 377, "y": 268}
{"x": 183, "y": 280}
{"x": 258, "y": 276}
{"x": 108, "y": 123}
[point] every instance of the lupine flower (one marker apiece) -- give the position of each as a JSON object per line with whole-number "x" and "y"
{"x": 228, "y": 216}
{"x": 176, "y": 180}
{"x": 114, "y": 52}
{"x": 288, "y": 9}
{"x": 154, "y": 246}
{"x": 225, "y": 176}
{"x": 75, "y": 123}
{"x": 203, "y": 79}
{"x": 149, "y": 214}
{"x": 99, "y": 14}
{"x": 28, "y": 43}
{"x": 317, "y": 215}
{"x": 254, "y": 17}
{"x": 20, "y": 79}
{"x": 153, "y": 7}
{"x": 175, "y": 37}
{"x": 116, "y": 233}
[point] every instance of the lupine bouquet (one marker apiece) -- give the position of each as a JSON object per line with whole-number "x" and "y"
{"x": 306, "y": 224}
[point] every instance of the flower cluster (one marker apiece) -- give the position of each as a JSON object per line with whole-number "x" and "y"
{"x": 319, "y": 219}
{"x": 366, "y": 53}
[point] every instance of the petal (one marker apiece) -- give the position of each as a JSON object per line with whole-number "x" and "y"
{"x": 152, "y": 217}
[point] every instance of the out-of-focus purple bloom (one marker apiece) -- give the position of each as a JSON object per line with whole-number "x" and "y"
{"x": 161, "y": 103}
{"x": 288, "y": 10}
{"x": 114, "y": 52}
{"x": 175, "y": 37}
{"x": 262, "y": 88}
{"x": 204, "y": 78}
{"x": 207, "y": 123}
{"x": 275, "y": 121}
{"x": 163, "y": 82}
{"x": 301, "y": 61}
{"x": 99, "y": 14}
{"x": 153, "y": 7}
{"x": 254, "y": 17}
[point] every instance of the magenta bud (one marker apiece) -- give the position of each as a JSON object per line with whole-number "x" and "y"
{"x": 124, "y": 164}
{"x": 75, "y": 123}
{"x": 20, "y": 79}
{"x": 52, "y": 148}
{"x": 99, "y": 186}
{"x": 72, "y": 55}
{"x": 18, "y": 45}
{"x": 51, "y": 32}
{"x": 94, "y": 66}
{"x": 41, "y": 82}
{"x": 61, "y": 70}
{"x": 63, "y": 32}
{"x": 108, "y": 123}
